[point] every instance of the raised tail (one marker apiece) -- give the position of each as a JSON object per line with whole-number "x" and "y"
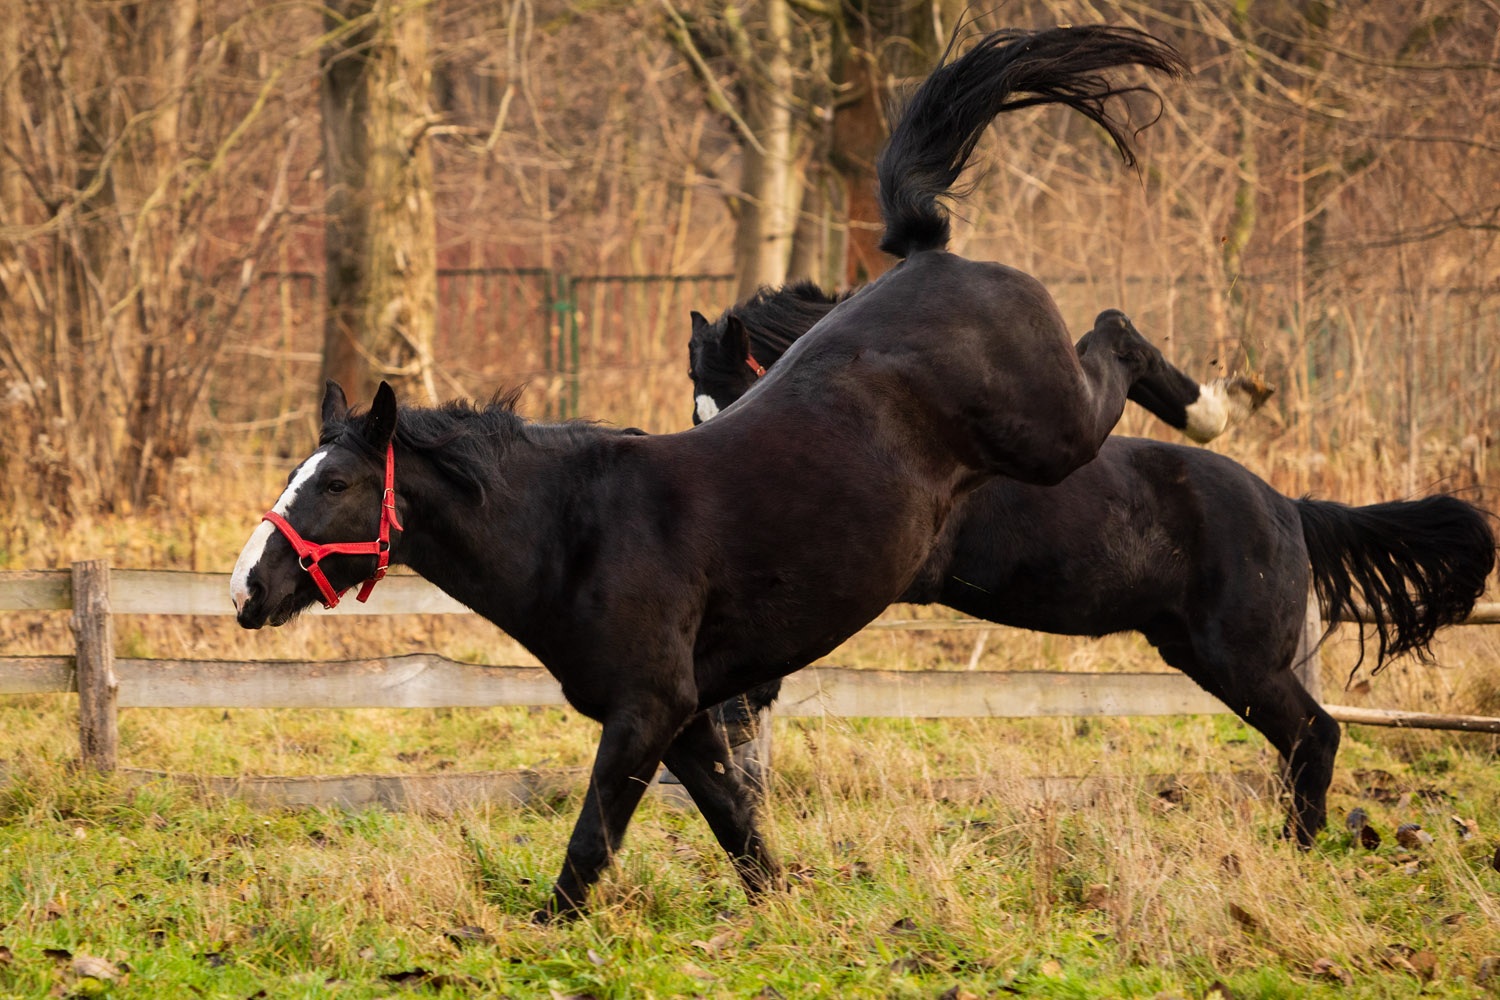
{"x": 944, "y": 118}
{"x": 1411, "y": 566}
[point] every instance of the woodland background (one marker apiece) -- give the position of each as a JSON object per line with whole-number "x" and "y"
{"x": 208, "y": 205}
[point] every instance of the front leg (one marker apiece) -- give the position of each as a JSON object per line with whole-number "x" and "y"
{"x": 700, "y": 758}
{"x": 630, "y": 748}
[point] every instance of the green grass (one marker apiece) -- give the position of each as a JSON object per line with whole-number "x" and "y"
{"x": 921, "y": 863}
{"x": 896, "y": 891}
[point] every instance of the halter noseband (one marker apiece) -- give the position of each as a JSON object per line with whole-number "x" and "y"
{"x": 309, "y": 554}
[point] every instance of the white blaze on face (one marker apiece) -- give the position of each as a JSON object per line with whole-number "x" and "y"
{"x": 239, "y": 582}
{"x": 707, "y": 408}
{"x": 1208, "y": 415}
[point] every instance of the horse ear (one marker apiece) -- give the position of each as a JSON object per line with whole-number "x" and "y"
{"x": 335, "y": 406}
{"x": 699, "y": 322}
{"x": 736, "y": 338}
{"x": 380, "y": 425}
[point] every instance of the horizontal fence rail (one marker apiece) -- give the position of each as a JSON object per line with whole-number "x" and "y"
{"x": 182, "y": 592}
{"x": 95, "y": 595}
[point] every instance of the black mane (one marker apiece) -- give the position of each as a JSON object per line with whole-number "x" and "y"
{"x": 461, "y": 437}
{"x": 775, "y": 317}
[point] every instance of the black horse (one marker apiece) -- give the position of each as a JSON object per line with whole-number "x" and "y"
{"x": 725, "y": 358}
{"x": 1187, "y": 547}
{"x": 656, "y": 576}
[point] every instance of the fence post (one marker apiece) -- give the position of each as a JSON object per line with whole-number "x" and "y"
{"x": 1306, "y": 663}
{"x": 94, "y": 641}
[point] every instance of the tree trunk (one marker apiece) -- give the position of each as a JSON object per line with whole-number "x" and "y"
{"x": 885, "y": 42}
{"x": 380, "y": 237}
{"x": 768, "y": 178}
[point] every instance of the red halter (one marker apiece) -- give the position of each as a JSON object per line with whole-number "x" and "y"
{"x": 310, "y": 553}
{"x": 755, "y": 366}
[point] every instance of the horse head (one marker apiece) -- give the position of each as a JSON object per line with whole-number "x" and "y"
{"x": 333, "y": 525}
{"x": 720, "y": 363}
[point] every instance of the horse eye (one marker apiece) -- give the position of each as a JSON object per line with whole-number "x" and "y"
{"x": 337, "y": 486}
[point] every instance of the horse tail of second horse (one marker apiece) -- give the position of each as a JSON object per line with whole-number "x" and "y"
{"x": 945, "y": 117}
{"x": 1408, "y": 567}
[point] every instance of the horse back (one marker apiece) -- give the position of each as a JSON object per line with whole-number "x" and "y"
{"x": 973, "y": 358}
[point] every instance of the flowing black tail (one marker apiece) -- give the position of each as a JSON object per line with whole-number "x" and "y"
{"x": 1412, "y": 566}
{"x": 943, "y": 120}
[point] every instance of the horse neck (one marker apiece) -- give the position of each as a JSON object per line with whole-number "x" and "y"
{"x": 491, "y": 554}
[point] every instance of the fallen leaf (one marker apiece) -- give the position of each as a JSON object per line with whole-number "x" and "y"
{"x": 1378, "y": 785}
{"x": 6, "y": 956}
{"x": 1051, "y": 967}
{"x": 468, "y": 935}
{"x": 89, "y": 967}
{"x": 1330, "y": 969}
{"x": 1488, "y": 970}
{"x": 1393, "y": 959}
{"x": 699, "y": 973}
{"x": 1097, "y": 897}
{"x": 596, "y": 959}
{"x": 922, "y": 961}
{"x": 1230, "y": 863}
{"x": 1411, "y": 836}
{"x": 1218, "y": 991}
{"x": 716, "y": 945}
{"x": 1244, "y": 917}
{"x": 1467, "y": 828}
{"x": 1369, "y": 837}
{"x": 957, "y": 993}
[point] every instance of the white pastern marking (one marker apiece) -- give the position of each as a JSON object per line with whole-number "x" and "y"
{"x": 707, "y": 408}
{"x": 1208, "y": 415}
{"x": 239, "y": 581}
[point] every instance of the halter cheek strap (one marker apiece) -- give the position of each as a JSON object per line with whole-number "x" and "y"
{"x": 755, "y": 366}
{"x": 310, "y": 554}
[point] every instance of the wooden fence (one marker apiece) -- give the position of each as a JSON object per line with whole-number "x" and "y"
{"x": 104, "y": 682}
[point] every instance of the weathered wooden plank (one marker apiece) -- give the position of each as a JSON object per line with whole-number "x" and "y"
{"x": 1307, "y": 664}
{"x": 93, "y": 626}
{"x": 429, "y": 681}
{"x": 1413, "y": 720}
{"x": 421, "y": 680}
{"x": 1484, "y": 614}
{"x": 434, "y": 794}
{"x": 36, "y": 675}
{"x": 143, "y": 592}
{"x": 43, "y": 590}
{"x": 973, "y": 694}
{"x": 146, "y": 592}
{"x": 445, "y": 794}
